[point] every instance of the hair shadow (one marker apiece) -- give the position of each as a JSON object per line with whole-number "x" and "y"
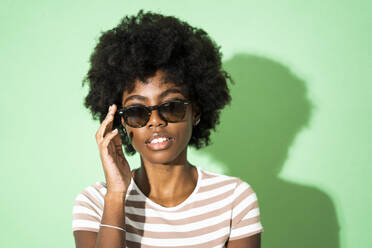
{"x": 268, "y": 110}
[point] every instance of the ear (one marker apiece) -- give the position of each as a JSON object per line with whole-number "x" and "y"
{"x": 196, "y": 115}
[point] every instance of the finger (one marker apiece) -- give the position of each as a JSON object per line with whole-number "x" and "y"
{"x": 104, "y": 128}
{"x": 108, "y": 138}
{"x": 110, "y": 120}
{"x": 116, "y": 140}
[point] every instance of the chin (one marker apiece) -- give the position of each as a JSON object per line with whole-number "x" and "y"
{"x": 162, "y": 157}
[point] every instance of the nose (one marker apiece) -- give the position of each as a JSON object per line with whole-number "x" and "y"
{"x": 155, "y": 119}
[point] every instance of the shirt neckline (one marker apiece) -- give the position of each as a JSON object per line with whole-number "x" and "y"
{"x": 158, "y": 206}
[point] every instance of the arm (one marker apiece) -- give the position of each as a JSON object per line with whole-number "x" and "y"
{"x": 253, "y": 241}
{"x": 107, "y": 237}
{"x": 118, "y": 178}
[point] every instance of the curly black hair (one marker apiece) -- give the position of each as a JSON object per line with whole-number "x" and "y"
{"x": 144, "y": 43}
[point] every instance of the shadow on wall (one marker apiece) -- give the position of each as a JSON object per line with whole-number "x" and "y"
{"x": 269, "y": 107}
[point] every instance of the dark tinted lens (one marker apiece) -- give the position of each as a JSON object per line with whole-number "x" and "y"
{"x": 136, "y": 116}
{"x": 173, "y": 111}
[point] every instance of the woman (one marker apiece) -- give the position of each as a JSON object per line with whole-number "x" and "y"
{"x": 157, "y": 86}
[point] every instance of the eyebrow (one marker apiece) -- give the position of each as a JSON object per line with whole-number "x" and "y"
{"x": 162, "y": 95}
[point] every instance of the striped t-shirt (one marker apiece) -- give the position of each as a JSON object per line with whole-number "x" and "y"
{"x": 220, "y": 208}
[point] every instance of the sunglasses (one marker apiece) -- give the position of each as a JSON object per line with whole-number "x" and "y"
{"x": 138, "y": 115}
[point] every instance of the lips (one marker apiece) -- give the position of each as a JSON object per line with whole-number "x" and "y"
{"x": 159, "y": 141}
{"x": 155, "y": 136}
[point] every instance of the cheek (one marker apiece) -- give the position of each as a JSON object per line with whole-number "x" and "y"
{"x": 184, "y": 134}
{"x": 136, "y": 138}
{"x": 188, "y": 132}
{"x": 185, "y": 129}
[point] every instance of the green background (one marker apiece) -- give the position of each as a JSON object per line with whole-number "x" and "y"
{"x": 298, "y": 129}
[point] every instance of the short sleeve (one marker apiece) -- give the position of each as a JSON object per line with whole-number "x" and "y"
{"x": 88, "y": 208}
{"x": 245, "y": 220}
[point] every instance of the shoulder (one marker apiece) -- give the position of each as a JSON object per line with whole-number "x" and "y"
{"x": 240, "y": 191}
{"x": 88, "y": 208}
{"x": 209, "y": 177}
{"x": 96, "y": 188}
{"x": 92, "y": 195}
{"x": 242, "y": 200}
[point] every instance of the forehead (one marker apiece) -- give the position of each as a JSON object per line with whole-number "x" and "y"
{"x": 153, "y": 86}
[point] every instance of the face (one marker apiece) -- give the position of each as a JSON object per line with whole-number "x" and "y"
{"x": 159, "y": 141}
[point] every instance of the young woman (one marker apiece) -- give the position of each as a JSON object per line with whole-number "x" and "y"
{"x": 157, "y": 86}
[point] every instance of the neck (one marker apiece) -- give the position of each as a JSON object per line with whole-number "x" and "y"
{"x": 168, "y": 183}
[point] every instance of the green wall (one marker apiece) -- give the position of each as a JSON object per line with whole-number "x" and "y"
{"x": 298, "y": 129}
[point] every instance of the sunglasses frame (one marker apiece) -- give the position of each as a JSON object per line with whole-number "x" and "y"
{"x": 149, "y": 110}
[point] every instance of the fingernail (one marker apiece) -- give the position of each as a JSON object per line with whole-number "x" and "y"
{"x": 110, "y": 107}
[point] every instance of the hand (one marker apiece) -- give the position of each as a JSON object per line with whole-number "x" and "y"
{"x": 115, "y": 166}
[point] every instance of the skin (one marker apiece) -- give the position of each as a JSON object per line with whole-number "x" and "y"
{"x": 165, "y": 177}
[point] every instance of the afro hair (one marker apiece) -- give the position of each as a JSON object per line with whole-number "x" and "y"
{"x": 144, "y": 43}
